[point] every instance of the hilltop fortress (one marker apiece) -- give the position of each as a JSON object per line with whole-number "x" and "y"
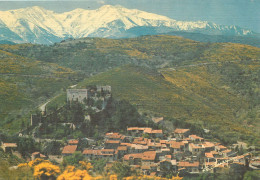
{"x": 81, "y": 94}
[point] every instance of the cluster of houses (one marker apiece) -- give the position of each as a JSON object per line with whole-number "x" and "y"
{"x": 154, "y": 153}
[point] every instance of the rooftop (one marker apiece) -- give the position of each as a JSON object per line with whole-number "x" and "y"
{"x": 181, "y": 131}
{"x": 70, "y": 149}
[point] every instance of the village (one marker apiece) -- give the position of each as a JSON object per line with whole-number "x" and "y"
{"x": 151, "y": 151}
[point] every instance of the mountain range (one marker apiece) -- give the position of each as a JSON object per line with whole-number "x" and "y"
{"x": 38, "y": 25}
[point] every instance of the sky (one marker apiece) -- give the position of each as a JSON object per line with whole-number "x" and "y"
{"x": 243, "y": 13}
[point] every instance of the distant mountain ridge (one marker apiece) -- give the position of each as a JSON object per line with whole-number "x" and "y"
{"x": 38, "y": 25}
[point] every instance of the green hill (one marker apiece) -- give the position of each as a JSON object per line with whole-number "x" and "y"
{"x": 214, "y": 85}
{"x": 24, "y": 84}
{"x": 195, "y": 95}
{"x": 93, "y": 55}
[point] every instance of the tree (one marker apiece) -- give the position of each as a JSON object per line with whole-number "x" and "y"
{"x": 73, "y": 159}
{"x": 121, "y": 169}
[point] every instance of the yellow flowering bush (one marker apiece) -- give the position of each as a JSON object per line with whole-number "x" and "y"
{"x": 22, "y": 165}
{"x": 37, "y": 161}
{"x": 71, "y": 173}
{"x": 86, "y": 165}
{"x": 113, "y": 177}
{"x": 46, "y": 169}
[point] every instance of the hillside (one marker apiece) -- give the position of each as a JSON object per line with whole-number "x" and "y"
{"x": 93, "y": 55}
{"x": 24, "y": 84}
{"x": 193, "y": 95}
{"x": 212, "y": 85}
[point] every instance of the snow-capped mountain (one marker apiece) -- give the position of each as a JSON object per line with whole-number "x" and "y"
{"x": 38, "y": 25}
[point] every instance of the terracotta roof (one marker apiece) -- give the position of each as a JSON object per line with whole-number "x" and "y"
{"x": 114, "y": 135}
{"x": 134, "y": 128}
{"x": 188, "y": 164}
{"x": 194, "y": 146}
{"x": 149, "y": 155}
{"x": 163, "y": 141}
{"x": 147, "y": 130}
{"x": 176, "y": 145}
{"x": 222, "y": 147}
{"x": 13, "y": 145}
{"x": 73, "y": 141}
{"x": 92, "y": 151}
{"x": 112, "y": 142}
{"x": 138, "y": 146}
{"x": 153, "y": 173}
{"x": 226, "y": 151}
{"x": 107, "y": 150}
{"x": 42, "y": 156}
{"x": 121, "y": 148}
{"x": 145, "y": 167}
{"x": 193, "y": 136}
{"x": 208, "y": 144}
{"x": 134, "y": 156}
{"x": 157, "y": 119}
{"x": 209, "y": 155}
{"x": 159, "y": 131}
{"x": 35, "y": 153}
{"x": 181, "y": 131}
{"x": 70, "y": 149}
{"x": 168, "y": 156}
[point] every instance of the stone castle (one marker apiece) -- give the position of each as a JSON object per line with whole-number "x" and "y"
{"x": 81, "y": 94}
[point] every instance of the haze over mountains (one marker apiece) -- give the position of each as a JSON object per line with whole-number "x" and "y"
{"x": 38, "y": 25}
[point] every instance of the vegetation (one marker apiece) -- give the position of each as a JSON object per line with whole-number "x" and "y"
{"x": 195, "y": 95}
{"x": 93, "y": 55}
{"x": 115, "y": 117}
{"x": 24, "y": 84}
{"x": 221, "y": 95}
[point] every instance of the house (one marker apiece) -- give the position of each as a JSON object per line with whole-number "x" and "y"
{"x": 69, "y": 150}
{"x": 148, "y": 157}
{"x": 121, "y": 151}
{"x": 138, "y": 148}
{"x": 196, "y": 138}
{"x": 228, "y": 153}
{"x": 220, "y": 147}
{"x": 195, "y": 149}
{"x": 92, "y": 153}
{"x": 176, "y": 146}
{"x": 133, "y": 159}
{"x": 208, "y": 146}
{"x": 181, "y": 133}
{"x": 99, "y": 153}
{"x": 156, "y": 133}
{"x": 146, "y": 169}
{"x": 9, "y": 147}
{"x": 192, "y": 167}
{"x": 115, "y": 137}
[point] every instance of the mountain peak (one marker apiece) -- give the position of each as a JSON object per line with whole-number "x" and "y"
{"x": 36, "y": 24}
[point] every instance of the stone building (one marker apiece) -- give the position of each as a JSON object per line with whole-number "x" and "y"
{"x": 77, "y": 95}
